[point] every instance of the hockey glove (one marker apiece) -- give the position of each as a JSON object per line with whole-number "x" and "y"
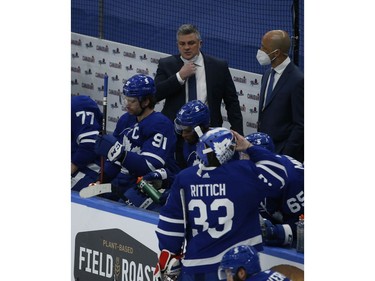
{"x": 168, "y": 266}
{"x": 159, "y": 174}
{"x": 109, "y": 147}
{"x": 156, "y": 178}
{"x": 277, "y": 235}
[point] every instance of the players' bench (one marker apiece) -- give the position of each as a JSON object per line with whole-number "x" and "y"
{"x": 117, "y": 232}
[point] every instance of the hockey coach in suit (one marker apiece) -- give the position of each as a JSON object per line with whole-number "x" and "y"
{"x": 213, "y": 82}
{"x": 281, "y": 102}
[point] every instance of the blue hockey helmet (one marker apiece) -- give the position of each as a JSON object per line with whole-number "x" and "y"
{"x": 139, "y": 86}
{"x": 218, "y": 140}
{"x": 261, "y": 139}
{"x": 192, "y": 114}
{"x": 244, "y": 256}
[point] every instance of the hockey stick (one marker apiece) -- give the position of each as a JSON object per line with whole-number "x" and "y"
{"x": 182, "y": 196}
{"x": 104, "y": 125}
{"x": 96, "y": 189}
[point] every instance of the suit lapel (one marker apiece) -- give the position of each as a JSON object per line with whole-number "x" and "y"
{"x": 280, "y": 83}
{"x": 283, "y": 79}
{"x": 179, "y": 62}
{"x": 208, "y": 73}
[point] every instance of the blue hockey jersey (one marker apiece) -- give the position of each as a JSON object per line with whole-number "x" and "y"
{"x": 190, "y": 154}
{"x": 150, "y": 145}
{"x": 286, "y": 206}
{"x": 221, "y": 208}
{"x": 86, "y": 123}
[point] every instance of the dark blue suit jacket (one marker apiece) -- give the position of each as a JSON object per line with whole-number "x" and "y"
{"x": 220, "y": 87}
{"x": 283, "y": 117}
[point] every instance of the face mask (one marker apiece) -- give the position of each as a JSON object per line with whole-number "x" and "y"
{"x": 263, "y": 58}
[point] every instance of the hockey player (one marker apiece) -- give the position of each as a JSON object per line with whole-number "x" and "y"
{"x": 281, "y": 212}
{"x": 143, "y": 141}
{"x": 242, "y": 263}
{"x": 86, "y": 123}
{"x": 214, "y": 205}
{"x": 192, "y": 114}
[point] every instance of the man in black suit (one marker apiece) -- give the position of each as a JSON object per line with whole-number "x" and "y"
{"x": 210, "y": 78}
{"x": 281, "y": 106}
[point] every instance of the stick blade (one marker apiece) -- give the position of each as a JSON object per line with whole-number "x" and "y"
{"x": 93, "y": 190}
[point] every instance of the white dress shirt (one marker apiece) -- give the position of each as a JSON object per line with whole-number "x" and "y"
{"x": 200, "y": 76}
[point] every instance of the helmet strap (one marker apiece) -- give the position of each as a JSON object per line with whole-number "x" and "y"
{"x": 198, "y": 130}
{"x": 140, "y": 100}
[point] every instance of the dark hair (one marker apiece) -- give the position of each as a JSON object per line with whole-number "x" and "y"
{"x": 151, "y": 98}
{"x": 236, "y": 278}
{"x": 186, "y": 29}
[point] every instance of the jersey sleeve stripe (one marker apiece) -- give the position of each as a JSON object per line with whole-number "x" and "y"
{"x": 157, "y": 157}
{"x": 166, "y": 219}
{"x": 87, "y": 141}
{"x": 273, "y": 174}
{"x": 87, "y": 134}
{"x": 271, "y": 163}
{"x": 170, "y": 233}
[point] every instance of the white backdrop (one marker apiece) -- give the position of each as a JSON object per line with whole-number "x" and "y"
{"x": 93, "y": 57}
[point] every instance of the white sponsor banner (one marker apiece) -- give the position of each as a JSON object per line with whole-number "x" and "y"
{"x": 93, "y": 57}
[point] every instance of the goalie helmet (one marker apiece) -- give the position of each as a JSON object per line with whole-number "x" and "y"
{"x": 240, "y": 256}
{"x": 261, "y": 139}
{"x": 218, "y": 140}
{"x": 192, "y": 114}
{"x": 139, "y": 86}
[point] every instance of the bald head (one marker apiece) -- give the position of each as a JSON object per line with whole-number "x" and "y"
{"x": 277, "y": 39}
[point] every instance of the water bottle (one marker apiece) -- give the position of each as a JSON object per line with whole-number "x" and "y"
{"x": 149, "y": 190}
{"x": 300, "y": 234}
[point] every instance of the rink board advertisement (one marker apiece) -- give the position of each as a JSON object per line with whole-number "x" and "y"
{"x": 92, "y": 58}
{"x": 111, "y": 255}
{"x": 107, "y": 246}
{"x": 114, "y": 242}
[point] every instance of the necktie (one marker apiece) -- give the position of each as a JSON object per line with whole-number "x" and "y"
{"x": 192, "y": 88}
{"x": 270, "y": 86}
